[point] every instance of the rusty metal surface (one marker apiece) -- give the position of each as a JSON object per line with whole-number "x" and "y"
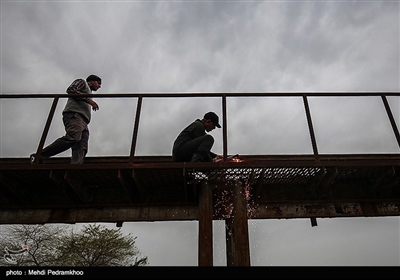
{"x": 289, "y": 186}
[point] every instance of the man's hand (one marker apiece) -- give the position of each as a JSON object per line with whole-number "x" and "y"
{"x": 218, "y": 158}
{"x": 94, "y": 105}
{"x": 233, "y": 158}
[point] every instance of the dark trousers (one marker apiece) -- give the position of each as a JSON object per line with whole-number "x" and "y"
{"x": 76, "y": 138}
{"x": 201, "y": 145}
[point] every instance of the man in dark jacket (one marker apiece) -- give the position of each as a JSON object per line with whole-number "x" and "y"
{"x": 193, "y": 143}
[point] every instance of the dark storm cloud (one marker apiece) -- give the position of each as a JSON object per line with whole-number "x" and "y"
{"x": 215, "y": 46}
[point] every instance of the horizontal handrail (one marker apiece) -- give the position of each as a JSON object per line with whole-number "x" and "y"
{"x": 223, "y": 96}
{"x": 202, "y": 94}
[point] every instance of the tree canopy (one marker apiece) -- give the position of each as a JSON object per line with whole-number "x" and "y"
{"x": 61, "y": 245}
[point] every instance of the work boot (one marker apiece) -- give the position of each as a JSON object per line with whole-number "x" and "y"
{"x": 197, "y": 158}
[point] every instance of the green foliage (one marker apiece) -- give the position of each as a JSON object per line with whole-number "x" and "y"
{"x": 54, "y": 245}
{"x": 99, "y": 246}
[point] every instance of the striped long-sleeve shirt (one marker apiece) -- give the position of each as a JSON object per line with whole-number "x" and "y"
{"x": 79, "y": 105}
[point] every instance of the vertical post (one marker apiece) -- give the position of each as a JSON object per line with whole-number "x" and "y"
{"x": 310, "y": 127}
{"x": 240, "y": 228}
{"x": 224, "y": 128}
{"x": 46, "y": 130}
{"x": 391, "y": 118}
{"x": 135, "y": 129}
{"x": 205, "y": 225}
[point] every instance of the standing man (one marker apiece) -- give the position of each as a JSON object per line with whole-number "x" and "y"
{"x": 76, "y": 117}
{"x": 193, "y": 143}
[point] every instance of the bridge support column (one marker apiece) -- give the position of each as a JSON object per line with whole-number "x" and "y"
{"x": 205, "y": 225}
{"x": 237, "y": 230}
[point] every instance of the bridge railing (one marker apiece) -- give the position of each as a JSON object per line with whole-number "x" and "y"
{"x": 223, "y": 96}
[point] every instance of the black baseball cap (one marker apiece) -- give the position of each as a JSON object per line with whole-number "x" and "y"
{"x": 212, "y": 117}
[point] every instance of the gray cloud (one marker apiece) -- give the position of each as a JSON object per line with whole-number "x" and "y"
{"x": 216, "y": 46}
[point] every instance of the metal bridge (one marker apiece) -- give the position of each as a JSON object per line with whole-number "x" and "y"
{"x": 132, "y": 188}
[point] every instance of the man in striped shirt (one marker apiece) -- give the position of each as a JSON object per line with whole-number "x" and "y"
{"x": 76, "y": 117}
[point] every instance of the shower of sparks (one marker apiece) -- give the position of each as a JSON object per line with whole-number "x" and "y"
{"x": 223, "y": 198}
{"x": 224, "y": 203}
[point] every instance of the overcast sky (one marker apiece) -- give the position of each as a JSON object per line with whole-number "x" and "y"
{"x": 216, "y": 46}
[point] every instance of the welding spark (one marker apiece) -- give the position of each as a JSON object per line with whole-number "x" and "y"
{"x": 233, "y": 158}
{"x": 224, "y": 203}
